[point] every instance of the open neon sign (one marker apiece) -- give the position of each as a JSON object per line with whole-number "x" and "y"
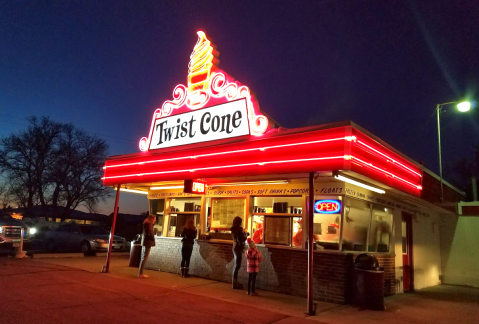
{"x": 195, "y": 187}
{"x": 207, "y": 86}
{"x": 327, "y": 206}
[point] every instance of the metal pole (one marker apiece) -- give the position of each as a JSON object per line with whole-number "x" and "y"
{"x": 106, "y": 267}
{"x": 438, "y": 111}
{"x": 311, "y": 310}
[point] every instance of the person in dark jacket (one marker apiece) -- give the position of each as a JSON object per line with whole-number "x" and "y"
{"x": 147, "y": 241}
{"x": 188, "y": 234}
{"x": 239, "y": 238}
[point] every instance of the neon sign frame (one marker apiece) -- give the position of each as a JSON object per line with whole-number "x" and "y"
{"x": 326, "y": 201}
{"x": 207, "y": 85}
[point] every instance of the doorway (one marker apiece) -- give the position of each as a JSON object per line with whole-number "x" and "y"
{"x": 407, "y": 257}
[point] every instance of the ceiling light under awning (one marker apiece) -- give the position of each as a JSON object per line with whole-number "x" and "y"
{"x": 359, "y": 184}
{"x": 134, "y": 191}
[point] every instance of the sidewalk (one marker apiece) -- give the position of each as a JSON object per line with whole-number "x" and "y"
{"x": 72, "y": 290}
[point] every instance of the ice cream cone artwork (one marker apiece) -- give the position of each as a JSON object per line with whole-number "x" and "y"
{"x": 207, "y": 86}
{"x": 202, "y": 62}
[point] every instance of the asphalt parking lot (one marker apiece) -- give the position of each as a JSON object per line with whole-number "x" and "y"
{"x": 57, "y": 289}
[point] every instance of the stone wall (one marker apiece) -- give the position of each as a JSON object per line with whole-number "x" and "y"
{"x": 283, "y": 270}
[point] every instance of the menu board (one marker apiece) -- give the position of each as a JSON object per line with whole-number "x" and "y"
{"x": 277, "y": 230}
{"x": 225, "y": 210}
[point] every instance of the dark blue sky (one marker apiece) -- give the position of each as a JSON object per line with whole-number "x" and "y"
{"x": 106, "y": 65}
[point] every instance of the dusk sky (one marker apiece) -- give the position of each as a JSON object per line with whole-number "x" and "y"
{"x": 105, "y": 66}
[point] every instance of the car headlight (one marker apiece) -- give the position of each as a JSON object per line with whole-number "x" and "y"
{"x": 101, "y": 241}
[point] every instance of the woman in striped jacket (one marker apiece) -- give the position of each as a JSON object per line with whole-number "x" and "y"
{"x": 253, "y": 258}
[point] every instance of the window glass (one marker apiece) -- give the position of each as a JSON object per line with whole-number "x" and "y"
{"x": 93, "y": 230}
{"x": 157, "y": 207}
{"x": 326, "y": 229}
{"x": 380, "y": 231}
{"x": 63, "y": 229}
{"x": 357, "y": 216}
{"x": 278, "y": 205}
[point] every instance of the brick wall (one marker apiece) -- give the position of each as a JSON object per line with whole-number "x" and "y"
{"x": 283, "y": 270}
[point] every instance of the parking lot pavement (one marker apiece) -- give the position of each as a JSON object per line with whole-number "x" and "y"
{"x": 71, "y": 290}
{"x": 48, "y": 292}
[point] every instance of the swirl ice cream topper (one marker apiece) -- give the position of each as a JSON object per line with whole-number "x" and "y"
{"x": 208, "y": 86}
{"x": 202, "y": 60}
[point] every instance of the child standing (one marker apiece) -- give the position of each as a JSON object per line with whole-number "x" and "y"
{"x": 253, "y": 258}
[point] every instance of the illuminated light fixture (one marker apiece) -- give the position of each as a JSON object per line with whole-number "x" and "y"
{"x": 359, "y": 184}
{"x": 166, "y": 187}
{"x": 260, "y": 183}
{"x": 464, "y": 106}
{"x": 134, "y": 191}
{"x": 262, "y": 149}
{"x": 32, "y": 230}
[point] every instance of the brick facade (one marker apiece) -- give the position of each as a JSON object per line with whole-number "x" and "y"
{"x": 283, "y": 270}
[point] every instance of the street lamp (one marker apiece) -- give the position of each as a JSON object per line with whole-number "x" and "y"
{"x": 462, "y": 106}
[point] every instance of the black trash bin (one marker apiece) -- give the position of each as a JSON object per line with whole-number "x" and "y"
{"x": 368, "y": 283}
{"x": 135, "y": 252}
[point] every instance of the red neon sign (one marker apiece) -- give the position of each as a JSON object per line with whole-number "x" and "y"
{"x": 195, "y": 187}
{"x": 207, "y": 85}
{"x": 329, "y": 149}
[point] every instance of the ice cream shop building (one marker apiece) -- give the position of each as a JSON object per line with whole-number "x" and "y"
{"x": 211, "y": 154}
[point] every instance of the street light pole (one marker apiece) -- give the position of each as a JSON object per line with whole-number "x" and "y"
{"x": 462, "y": 107}
{"x": 438, "y": 111}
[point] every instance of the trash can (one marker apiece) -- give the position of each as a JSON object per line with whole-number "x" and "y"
{"x": 135, "y": 252}
{"x": 368, "y": 283}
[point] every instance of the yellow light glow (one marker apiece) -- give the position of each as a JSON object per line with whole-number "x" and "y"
{"x": 166, "y": 187}
{"x": 359, "y": 184}
{"x": 134, "y": 191}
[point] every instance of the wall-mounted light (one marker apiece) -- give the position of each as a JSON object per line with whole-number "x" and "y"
{"x": 359, "y": 184}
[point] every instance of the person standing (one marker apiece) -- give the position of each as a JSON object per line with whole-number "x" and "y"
{"x": 147, "y": 241}
{"x": 188, "y": 234}
{"x": 239, "y": 238}
{"x": 253, "y": 258}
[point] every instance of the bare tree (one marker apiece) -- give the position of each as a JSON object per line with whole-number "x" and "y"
{"x": 53, "y": 164}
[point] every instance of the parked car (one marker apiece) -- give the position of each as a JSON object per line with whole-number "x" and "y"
{"x": 85, "y": 238}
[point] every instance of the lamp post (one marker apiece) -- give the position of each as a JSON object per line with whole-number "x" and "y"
{"x": 462, "y": 107}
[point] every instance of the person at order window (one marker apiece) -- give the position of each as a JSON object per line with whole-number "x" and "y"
{"x": 239, "y": 238}
{"x": 188, "y": 234}
{"x": 298, "y": 238}
{"x": 258, "y": 234}
{"x": 147, "y": 241}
